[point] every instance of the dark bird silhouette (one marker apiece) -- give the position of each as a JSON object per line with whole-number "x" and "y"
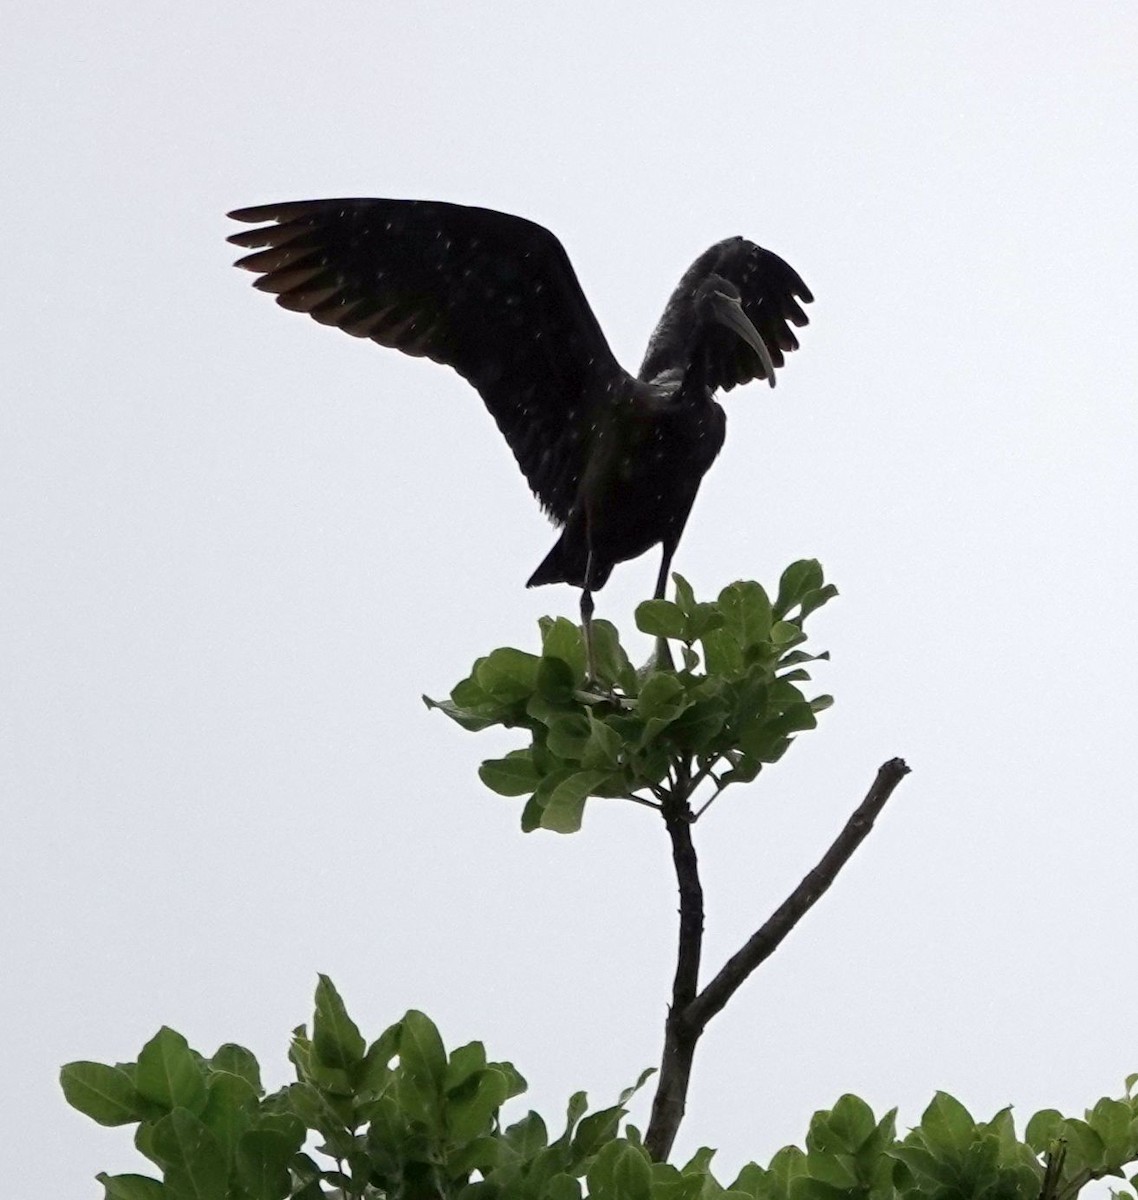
{"x": 615, "y": 460}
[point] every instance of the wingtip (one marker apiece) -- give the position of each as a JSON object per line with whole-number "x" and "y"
{"x": 254, "y": 213}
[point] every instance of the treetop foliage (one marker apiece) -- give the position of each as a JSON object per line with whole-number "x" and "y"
{"x": 400, "y": 1117}
{"x": 733, "y": 707}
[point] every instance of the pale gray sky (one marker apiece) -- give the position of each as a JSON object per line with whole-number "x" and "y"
{"x": 238, "y": 546}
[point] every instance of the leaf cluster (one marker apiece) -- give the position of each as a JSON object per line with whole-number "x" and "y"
{"x": 403, "y": 1119}
{"x": 733, "y": 707}
{"x": 852, "y": 1155}
{"x": 399, "y": 1117}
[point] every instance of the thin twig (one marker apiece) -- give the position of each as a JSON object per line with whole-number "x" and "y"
{"x": 770, "y": 935}
{"x": 703, "y": 773}
{"x": 641, "y": 800}
{"x": 719, "y": 789}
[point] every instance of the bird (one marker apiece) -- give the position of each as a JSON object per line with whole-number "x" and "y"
{"x": 614, "y": 459}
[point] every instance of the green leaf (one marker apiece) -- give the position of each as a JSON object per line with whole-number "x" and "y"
{"x": 528, "y": 1135}
{"x": 793, "y": 657}
{"x": 483, "y": 1154}
{"x": 699, "y": 1163}
{"x": 660, "y": 618}
{"x": 566, "y": 805}
{"x": 837, "y": 1170}
{"x": 577, "y": 1107}
{"x": 130, "y": 1187}
{"x": 105, "y": 1094}
{"x": 845, "y": 1128}
{"x": 421, "y": 1051}
{"x": 787, "y": 1165}
{"x": 947, "y": 1125}
{"x": 319, "y": 1111}
{"x": 170, "y": 1074}
{"x": 596, "y": 1130}
{"x": 804, "y": 1187}
{"x": 660, "y": 697}
{"x": 462, "y": 716}
{"x": 753, "y": 1181}
{"x": 561, "y": 639}
{"x": 762, "y": 742}
{"x": 568, "y": 736}
{"x": 144, "y": 1143}
{"x": 746, "y": 768}
{"x": 612, "y": 662}
{"x": 746, "y": 610}
{"x": 555, "y": 682}
{"x": 263, "y": 1157}
{"x": 924, "y": 1164}
{"x": 373, "y": 1074}
{"x": 702, "y": 620}
{"x": 307, "y": 1175}
{"x": 1111, "y": 1120}
{"x": 698, "y": 726}
{"x": 194, "y": 1165}
{"x": 507, "y": 674}
{"x": 797, "y": 581}
{"x": 531, "y": 814}
{"x": 464, "y": 1062}
{"x": 472, "y": 1114}
{"x": 1043, "y": 1129}
{"x": 514, "y": 775}
{"x": 814, "y": 600}
{"x": 228, "y": 1110}
{"x": 628, "y": 1092}
{"x": 336, "y": 1040}
{"x": 794, "y": 719}
{"x": 721, "y": 653}
{"x": 236, "y": 1060}
{"x": 631, "y": 1175}
{"x": 785, "y": 633}
{"x": 562, "y": 1187}
{"x": 604, "y": 745}
{"x": 685, "y": 597}
{"x": 1085, "y": 1147}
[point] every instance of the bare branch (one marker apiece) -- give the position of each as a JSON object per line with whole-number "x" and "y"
{"x": 679, "y": 1037}
{"x": 686, "y": 982}
{"x": 762, "y": 944}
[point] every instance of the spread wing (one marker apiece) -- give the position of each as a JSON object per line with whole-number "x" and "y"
{"x": 491, "y": 295}
{"x": 769, "y": 290}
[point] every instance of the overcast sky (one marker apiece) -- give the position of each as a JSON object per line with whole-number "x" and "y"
{"x": 238, "y": 546}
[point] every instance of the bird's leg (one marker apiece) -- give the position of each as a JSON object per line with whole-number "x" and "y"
{"x": 587, "y": 608}
{"x": 663, "y": 652}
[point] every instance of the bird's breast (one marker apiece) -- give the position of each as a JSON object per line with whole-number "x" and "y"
{"x": 644, "y": 474}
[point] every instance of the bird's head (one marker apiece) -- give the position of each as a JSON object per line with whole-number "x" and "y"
{"x": 718, "y": 305}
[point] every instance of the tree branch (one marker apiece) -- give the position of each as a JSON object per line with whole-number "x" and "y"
{"x": 763, "y": 943}
{"x": 686, "y": 982}
{"x": 679, "y": 1037}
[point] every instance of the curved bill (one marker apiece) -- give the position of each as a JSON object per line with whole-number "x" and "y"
{"x": 728, "y": 311}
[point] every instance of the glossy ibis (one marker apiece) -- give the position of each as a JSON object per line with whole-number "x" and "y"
{"x": 615, "y": 460}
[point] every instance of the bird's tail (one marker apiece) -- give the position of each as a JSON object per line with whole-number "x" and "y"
{"x": 560, "y": 565}
{"x": 568, "y": 562}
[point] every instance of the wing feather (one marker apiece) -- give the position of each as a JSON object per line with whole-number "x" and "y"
{"x": 492, "y": 295}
